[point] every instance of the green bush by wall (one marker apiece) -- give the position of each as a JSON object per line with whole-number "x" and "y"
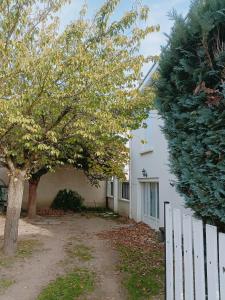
{"x": 68, "y": 200}
{"x": 191, "y": 100}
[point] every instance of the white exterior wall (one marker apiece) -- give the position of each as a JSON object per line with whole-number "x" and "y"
{"x": 153, "y": 157}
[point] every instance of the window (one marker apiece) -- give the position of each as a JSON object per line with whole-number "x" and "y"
{"x": 151, "y": 199}
{"x": 125, "y": 190}
{"x": 110, "y": 187}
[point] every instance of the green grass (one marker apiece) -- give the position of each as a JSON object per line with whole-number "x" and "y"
{"x": 144, "y": 272}
{"x": 69, "y": 287}
{"x": 82, "y": 252}
{"x": 25, "y": 249}
{"x": 4, "y": 284}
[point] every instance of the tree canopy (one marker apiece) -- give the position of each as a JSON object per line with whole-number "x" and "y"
{"x": 61, "y": 88}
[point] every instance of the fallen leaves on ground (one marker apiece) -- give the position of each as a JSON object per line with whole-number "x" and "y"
{"x": 135, "y": 235}
{"x": 142, "y": 259}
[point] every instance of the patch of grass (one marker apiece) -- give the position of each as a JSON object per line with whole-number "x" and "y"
{"x": 95, "y": 209}
{"x": 4, "y": 284}
{"x": 99, "y": 211}
{"x": 69, "y": 287}
{"x": 80, "y": 251}
{"x": 25, "y": 249}
{"x": 144, "y": 272}
{"x": 6, "y": 261}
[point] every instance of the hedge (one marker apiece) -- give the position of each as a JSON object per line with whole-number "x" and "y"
{"x": 191, "y": 100}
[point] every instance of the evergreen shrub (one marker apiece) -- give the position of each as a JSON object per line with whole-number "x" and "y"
{"x": 191, "y": 100}
{"x": 68, "y": 200}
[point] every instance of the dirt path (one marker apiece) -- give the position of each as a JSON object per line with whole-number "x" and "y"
{"x": 34, "y": 273}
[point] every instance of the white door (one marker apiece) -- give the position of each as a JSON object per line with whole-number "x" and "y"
{"x": 150, "y": 204}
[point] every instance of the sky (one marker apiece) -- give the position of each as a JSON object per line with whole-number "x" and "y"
{"x": 159, "y": 10}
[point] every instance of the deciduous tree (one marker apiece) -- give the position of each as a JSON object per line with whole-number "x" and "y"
{"x": 62, "y": 87}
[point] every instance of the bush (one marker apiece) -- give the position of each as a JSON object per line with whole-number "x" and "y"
{"x": 68, "y": 200}
{"x": 191, "y": 100}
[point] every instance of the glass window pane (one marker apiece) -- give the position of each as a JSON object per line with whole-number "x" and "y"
{"x": 145, "y": 199}
{"x": 111, "y": 188}
{"x": 153, "y": 200}
{"x": 125, "y": 190}
{"x": 157, "y": 188}
{"x": 148, "y": 197}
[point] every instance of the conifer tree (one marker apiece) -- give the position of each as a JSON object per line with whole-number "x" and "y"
{"x": 191, "y": 100}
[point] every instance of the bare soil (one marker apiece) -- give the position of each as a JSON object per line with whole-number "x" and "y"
{"x": 32, "y": 274}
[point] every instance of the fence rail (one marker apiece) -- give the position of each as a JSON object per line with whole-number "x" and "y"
{"x": 195, "y": 258}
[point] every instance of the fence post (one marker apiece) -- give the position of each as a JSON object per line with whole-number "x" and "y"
{"x": 168, "y": 225}
{"x": 222, "y": 265}
{"x": 212, "y": 262}
{"x": 188, "y": 258}
{"x": 199, "y": 264}
{"x": 178, "y": 258}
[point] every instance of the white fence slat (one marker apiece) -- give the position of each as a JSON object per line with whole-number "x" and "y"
{"x": 222, "y": 265}
{"x": 212, "y": 263}
{"x": 178, "y": 254}
{"x": 199, "y": 267}
{"x": 188, "y": 258}
{"x": 169, "y": 253}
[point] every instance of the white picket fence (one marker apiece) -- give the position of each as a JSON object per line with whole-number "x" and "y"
{"x": 195, "y": 258}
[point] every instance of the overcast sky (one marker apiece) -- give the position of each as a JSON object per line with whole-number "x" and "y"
{"x": 159, "y": 10}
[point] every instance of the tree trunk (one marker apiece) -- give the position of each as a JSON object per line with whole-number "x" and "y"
{"x": 15, "y": 198}
{"x": 32, "y": 198}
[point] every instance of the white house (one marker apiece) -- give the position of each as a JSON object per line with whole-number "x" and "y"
{"x": 151, "y": 183}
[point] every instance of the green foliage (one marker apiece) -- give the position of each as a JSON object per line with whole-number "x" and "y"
{"x": 69, "y": 96}
{"x": 68, "y": 200}
{"x": 191, "y": 100}
{"x": 69, "y": 287}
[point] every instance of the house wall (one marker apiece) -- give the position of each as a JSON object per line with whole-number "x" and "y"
{"x": 111, "y": 203}
{"x": 64, "y": 178}
{"x": 124, "y": 208}
{"x": 115, "y": 201}
{"x": 154, "y": 158}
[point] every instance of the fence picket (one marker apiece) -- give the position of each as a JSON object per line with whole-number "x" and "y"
{"x": 186, "y": 276}
{"x": 169, "y": 253}
{"x": 222, "y": 265}
{"x": 188, "y": 258}
{"x": 199, "y": 268}
{"x": 212, "y": 263}
{"x": 178, "y": 254}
